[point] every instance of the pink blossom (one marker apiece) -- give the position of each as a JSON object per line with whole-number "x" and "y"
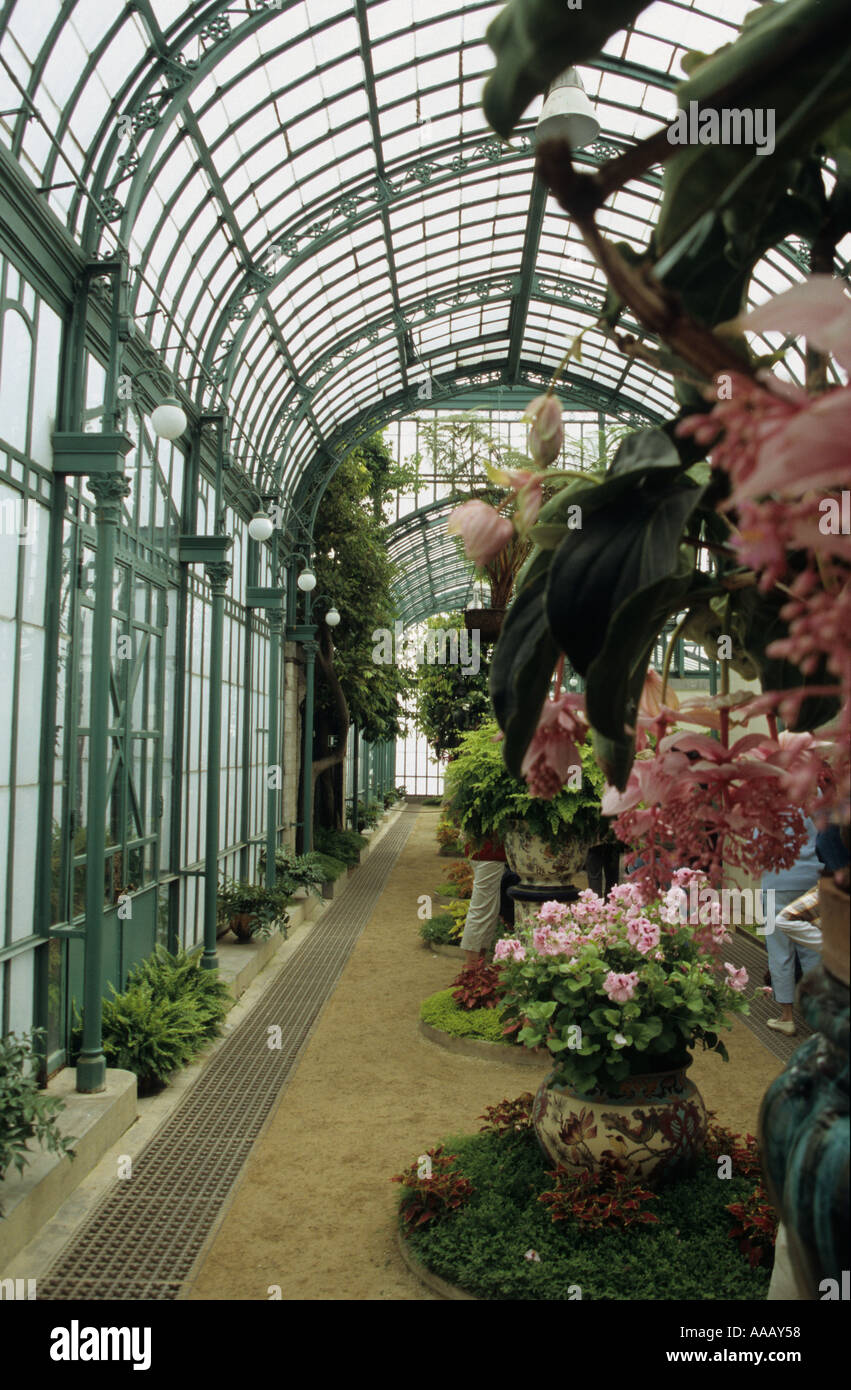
{"x": 643, "y": 934}
{"x": 546, "y": 430}
{"x": 620, "y": 988}
{"x": 553, "y": 750}
{"x": 818, "y": 309}
{"x": 509, "y": 948}
{"x": 766, "y": 990}
{"x": 650, "y": 703}
{"x": 738, "y": 979}
{"x": 484, "y": 532}
{"x": 527, "y": 484}
{"x": 553, "y": 913}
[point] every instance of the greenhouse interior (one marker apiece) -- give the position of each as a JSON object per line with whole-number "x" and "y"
{"x": 425, "y": 658}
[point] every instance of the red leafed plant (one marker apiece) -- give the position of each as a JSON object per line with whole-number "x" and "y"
{"x": 509, "y": 1116}
{"x": 741, "y": 1149}
{"x": 755, "y": 1225}
{"x": 601, "y": 1198}
{"x": 460, "y": 875}
{"x": 480, "y": 987}
{"x": 429, "y": 1197}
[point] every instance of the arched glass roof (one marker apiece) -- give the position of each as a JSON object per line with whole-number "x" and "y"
{"x": 321, "y": 225}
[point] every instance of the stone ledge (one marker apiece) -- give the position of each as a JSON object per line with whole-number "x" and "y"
{"x": 95, "y": 1122}
{"x": 431, "y": 1281}
{"x": 487, "y": 1051}
{"x": 241, "y": 961}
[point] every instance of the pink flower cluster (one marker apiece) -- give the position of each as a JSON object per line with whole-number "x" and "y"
{"x": 509, "y": 948}
{"x": 554, "y": 749}
{"x": 620, "y": 988}
{"x": 725, "y": 806}
{"x": 787, "y": 455}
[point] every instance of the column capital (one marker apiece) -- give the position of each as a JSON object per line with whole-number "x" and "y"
{"x": 275, "y": 619}
{"x": 108, "y": 490}
{"x": 310, "y": 648}
{"x": 218, "y": 573}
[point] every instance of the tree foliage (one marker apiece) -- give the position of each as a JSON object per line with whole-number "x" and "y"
{"x": 450, "y": 698}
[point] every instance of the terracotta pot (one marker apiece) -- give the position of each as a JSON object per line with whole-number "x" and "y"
{"x": 488, "y": 621}
{"x": 241, "y": 924}
{"x": 656, "y": 1122}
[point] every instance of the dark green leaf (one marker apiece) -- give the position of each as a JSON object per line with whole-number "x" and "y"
{"x": 522, "y": 664}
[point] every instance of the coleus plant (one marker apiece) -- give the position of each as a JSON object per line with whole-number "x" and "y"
{"x": 745, "y": 546}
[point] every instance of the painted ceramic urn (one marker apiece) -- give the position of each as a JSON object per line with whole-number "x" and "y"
{"x": 654, "y": 1122}
{"x": 545, "y": 868}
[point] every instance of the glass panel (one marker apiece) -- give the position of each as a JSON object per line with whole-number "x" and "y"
{"x": 15, "y": 365}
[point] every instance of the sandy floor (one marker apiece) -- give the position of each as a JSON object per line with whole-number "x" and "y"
{"x": 314, "y": 1212}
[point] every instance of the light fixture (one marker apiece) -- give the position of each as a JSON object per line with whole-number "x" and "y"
{"x": 567, "y": 113}
{"x": 332, "y": 617}
{"x": 260, "y": 527}
{"x": 306, "y": 581}
{"x": 169, "y": 419}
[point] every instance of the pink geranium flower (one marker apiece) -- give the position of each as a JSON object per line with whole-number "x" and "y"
{"x": 554, "y": 748}
{"x": 620, "y": 988}
{"x": 509, "y": 948}
{"x": 737, "y": 979}
{"x": 484, "y": 532}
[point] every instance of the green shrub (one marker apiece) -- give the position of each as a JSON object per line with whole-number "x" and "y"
{"x": 330, "y": 867}
{"x": 178, "y": 976}
{"x": 340, "y": 844}
{"x": 26, "y": 1113}
{"x": 441, "y": 1011}
{"x": 442, "y": 929}
{"x": 293, "y": 871}
{"x": 484, "y": 1246}
{"x": 151, "y": 1035}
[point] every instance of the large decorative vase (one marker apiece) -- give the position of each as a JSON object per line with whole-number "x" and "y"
{"x": 545, "y": 869}
{"x": 655, "y": 1122}
{"x": 803, "y": 1121}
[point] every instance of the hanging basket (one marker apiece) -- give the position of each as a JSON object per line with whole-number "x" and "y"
{"x": 488, "y": 621}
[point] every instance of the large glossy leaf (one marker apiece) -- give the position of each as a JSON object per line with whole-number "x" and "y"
{"x": 645, "y": 449}
{"x": 794, "y": 62}
{"x": 521, "y": 669}
{"x": 535, "y": 40}
{"x": 622, "y": 549}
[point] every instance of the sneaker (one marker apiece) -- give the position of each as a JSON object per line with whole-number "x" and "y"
{"x": 783, "y": 1025}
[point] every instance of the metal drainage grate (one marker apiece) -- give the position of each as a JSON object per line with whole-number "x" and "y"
{"x": 750, "y": 951}
{"x": 143, "y": 1238}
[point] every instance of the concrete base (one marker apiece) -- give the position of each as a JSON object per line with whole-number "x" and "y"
{"x": 95, "y": 1122}
{"x": 512, "y": 1053}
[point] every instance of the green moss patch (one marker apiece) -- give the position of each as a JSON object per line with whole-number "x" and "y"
{"x": 482, "y": 1247}
{"x": 441, "y": 1011}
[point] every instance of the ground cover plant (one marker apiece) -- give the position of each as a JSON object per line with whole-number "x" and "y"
{"x": 444, "y": 929}
{"x": 443, "y": 1012}
{"x": 514, "y": 1229}
{"x": 344, "y": 845}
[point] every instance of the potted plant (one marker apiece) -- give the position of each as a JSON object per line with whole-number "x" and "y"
{"x": 296, "y": 875}
{"x": 500, "y": 573}
{"x": 546, "y": 841}
{"x": 620, "y": 991}
{"x": 252, "y": 909}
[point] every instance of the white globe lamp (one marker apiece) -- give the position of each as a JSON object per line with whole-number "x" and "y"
{"x": 306, "y": 581}
{"x": 332, "y": 617}
{"x": 169, "y": 419}
{"x": 260, "y": 527}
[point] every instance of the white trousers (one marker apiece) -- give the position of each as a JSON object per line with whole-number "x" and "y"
{"x": 483, "y": 912}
